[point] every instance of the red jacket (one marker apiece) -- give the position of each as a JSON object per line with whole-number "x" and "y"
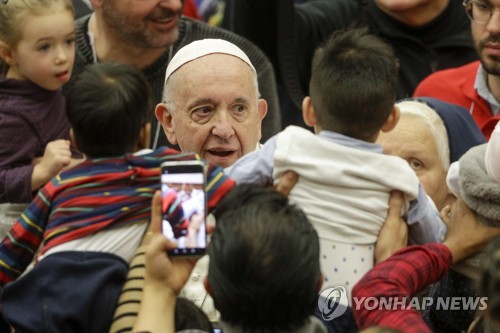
{"x": 456, "y": 85}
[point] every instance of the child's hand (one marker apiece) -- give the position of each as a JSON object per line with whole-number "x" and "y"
{"x": 57, "y": 155}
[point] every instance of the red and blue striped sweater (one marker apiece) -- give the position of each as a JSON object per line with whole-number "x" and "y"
{"x": 98, "y": 194}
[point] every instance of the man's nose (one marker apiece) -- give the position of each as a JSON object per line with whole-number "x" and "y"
{"x": 173, "y": 5}
{"x": 493, "y": 25}
{"x": 223, "y": 127}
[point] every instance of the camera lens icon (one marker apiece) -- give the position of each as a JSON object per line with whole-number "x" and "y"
{"x": 333, "y": 302}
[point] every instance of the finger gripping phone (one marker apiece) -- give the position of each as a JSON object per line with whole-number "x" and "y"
{"x": 184, "y": 206}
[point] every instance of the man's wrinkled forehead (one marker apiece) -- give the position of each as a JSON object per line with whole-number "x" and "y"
{"x": 201, "y": 48}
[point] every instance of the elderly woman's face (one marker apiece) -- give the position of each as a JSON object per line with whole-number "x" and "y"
{"x": 412, "y": 140}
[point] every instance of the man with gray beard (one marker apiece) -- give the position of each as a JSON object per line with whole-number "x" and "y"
{"x": 147, "y": 34}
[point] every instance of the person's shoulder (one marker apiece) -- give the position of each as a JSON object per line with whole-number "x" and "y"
{"x": 446, "y": 78}
{"x": 295, "y": 133}
{"x": 81, "y": 22}
{"x": 83, "y": 49}
{"x": 456, "y": 72}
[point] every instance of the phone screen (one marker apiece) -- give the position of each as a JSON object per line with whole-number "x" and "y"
{"x": 184, "y": 206}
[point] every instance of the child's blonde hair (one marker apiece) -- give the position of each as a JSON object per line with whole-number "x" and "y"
{"x": 13, "y": 11}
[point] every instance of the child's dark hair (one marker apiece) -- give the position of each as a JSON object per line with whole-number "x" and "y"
{"x": 353, "y": 83}
{"x": 261, "y": 240}
{"x": 107, "y": 105}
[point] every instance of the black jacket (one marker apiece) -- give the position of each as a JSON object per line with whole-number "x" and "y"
{"x": 289, "y": 34}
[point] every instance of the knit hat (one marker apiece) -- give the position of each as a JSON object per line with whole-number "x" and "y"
{"x": 479, "y": 191}
{"x": 201, "y": 48}
{"x": 463, "y": 132}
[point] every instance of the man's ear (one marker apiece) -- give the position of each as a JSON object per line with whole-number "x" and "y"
{"x": 164, "y": 116}
{"x": 392, "y": 120}
{"x": 308, "y": 112}
{"x": 6, "y": 54}
{"x": 262, "y": 108}
{"x": 144, "y": 136}
{"x": 261, "y": 111}
{"x": 207, "y": 286}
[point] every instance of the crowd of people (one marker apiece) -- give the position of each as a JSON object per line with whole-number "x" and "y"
{"x": 351, "y": 151}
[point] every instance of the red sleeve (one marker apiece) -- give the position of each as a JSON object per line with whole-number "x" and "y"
{"x": 383, "y": 297}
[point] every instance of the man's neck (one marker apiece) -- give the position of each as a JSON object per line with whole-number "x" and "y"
{"x": 109, "y": 47}
{"x": 421, "y": 15}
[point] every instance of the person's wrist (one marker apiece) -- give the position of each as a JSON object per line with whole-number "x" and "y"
{"x": 461, "y": 250}
{"x": 39, "y": 176}
{"x": 456, "y": 252}
{"x": 159, "y": 288}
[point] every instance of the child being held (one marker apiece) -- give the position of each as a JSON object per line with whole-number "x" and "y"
{"x": 344, "y": 178}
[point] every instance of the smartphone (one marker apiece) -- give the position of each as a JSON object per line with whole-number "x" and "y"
{"x": 184, "y": 206}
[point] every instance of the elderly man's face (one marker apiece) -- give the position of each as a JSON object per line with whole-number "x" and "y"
{"x": 147, "y": 24}
{"x": 216, "y": 110}
{"x": 413, "y": 141}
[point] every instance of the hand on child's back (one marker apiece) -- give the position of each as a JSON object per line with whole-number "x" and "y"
{"x": 57, "y": 155}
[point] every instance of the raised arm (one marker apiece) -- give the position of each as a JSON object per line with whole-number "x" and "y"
{"x": 164, "y": 278}
{"x": 400, "y": 277}
{"x": 408, "y": 271}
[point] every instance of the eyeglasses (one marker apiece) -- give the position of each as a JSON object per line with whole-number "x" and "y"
{"x": 479, "y": 11}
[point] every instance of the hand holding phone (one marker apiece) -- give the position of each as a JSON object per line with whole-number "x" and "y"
{"x": 184, "y": 206}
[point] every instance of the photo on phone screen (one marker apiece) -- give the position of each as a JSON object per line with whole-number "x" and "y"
{"x": 184, "y": 206}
